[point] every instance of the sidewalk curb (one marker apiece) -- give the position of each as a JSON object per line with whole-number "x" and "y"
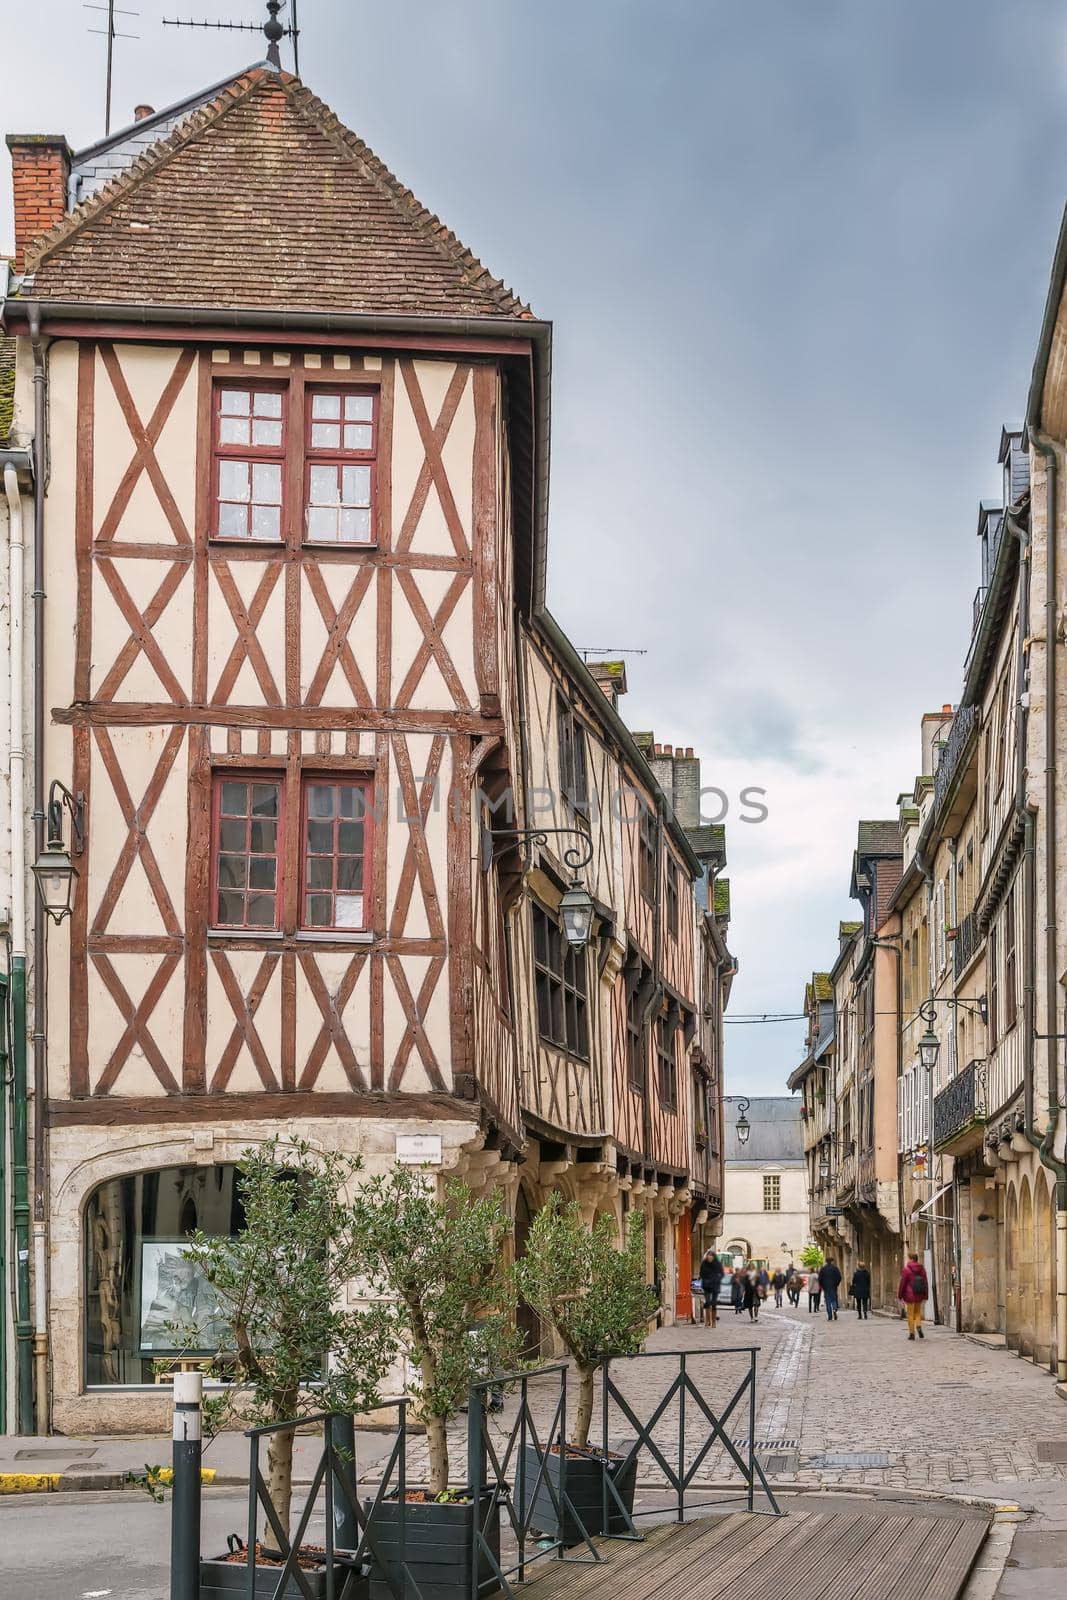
{"x": 79, "y": 1482}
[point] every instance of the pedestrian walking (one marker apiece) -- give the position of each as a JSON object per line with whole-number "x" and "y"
{"x": 829, "y": 1283}
{"x": 752, "y": 1295}
{"x": 860, "y": 1290}
{"x": 737, "y": 1292}
{"x": 778, "y": 1284}
{"x": 914, "y": 1290}
{"x": 711, "y": 1276}
{"x": 792, "y": 1285}
{"x": 814, "y": 1291}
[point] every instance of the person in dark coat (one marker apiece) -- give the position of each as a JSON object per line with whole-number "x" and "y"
{"x": 737, "y": 1292}
{"x": 792, "y": 1285}
{"x": 752, "y": 1295}
{"x": 829, "y": 1283}
{"x": 711, "y": 1276}
{"x": 860, "y": 1290}
{"x": 778, "y": 1285}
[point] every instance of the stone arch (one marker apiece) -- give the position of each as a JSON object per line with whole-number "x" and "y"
{"x": 1011, "y": 1267}
{"x": 1045, "y": 1273}
{"x": 1025, "y": 1270}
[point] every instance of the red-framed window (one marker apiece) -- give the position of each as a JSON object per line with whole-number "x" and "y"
{"x": 334, "y": 847}
{"x": 248, "y": 430}
{"x": 249, "y": 825}
{"x": 247, "y": 851}
{"x": 340, "y": 465}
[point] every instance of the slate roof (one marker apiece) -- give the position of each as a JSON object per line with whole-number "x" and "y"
{"x": 776, "y": 1134}
{"x": 879, "y": 839}
{"x": 262, "y": 199}
{"x": 823, "y": 988}
{"x": 709, "y": 839}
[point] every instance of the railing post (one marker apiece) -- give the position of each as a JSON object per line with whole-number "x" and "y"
{"x": 341, "y": 1437}
{"x": 185, "y": 1494}
{"x": 477, "y": 1467}
{"x": 562, "y": 1457}
{"x": 751, "y": 1428}
{"x": 681, "y": 1439}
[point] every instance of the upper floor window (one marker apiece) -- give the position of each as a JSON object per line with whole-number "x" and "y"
{"x": 340, "y": 458}
{"x": 1010, "y": 996}
{"x": 560, "y": 983}
{"x": 573, "y": 780}
{"x": 667, "y": 1063}
{"x": 249, "y": 441}
{"x": 772, "y": 1192}
{"x": 646, "y": 851}
{"x": 635, "y": 1033}
{"x": 249, "y": 856}
{"x": 672, "y": 899}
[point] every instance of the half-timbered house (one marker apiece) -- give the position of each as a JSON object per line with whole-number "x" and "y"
{"x": 291, "y": 667}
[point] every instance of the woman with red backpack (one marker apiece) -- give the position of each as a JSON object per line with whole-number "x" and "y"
{"x": 913, "y": 1290}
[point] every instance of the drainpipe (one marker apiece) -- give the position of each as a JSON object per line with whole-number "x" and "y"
{"x": 20, "y": 1202}
{"x": 40, "y": 954}
{"x": 1043, "y": 1143}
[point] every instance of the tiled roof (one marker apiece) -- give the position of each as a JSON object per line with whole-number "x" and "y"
{"x": 824, "y": 989}
{"x": 879, "y": 839}
{"x": 721, "y": 902}
{"x": 7, "y": 387}
{"x": 709, "y": 839}
{"x": 261, "y": 199}
{"x": 848, "y": 930}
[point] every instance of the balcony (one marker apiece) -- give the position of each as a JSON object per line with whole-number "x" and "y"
{"x": 961, "y": 1105}
{"x": 965, "y": 944}
{"x": 963, "y": 726}
{"x": 979, "y": 602}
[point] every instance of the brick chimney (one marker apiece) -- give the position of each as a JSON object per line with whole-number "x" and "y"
{"x": 40, "y": 167}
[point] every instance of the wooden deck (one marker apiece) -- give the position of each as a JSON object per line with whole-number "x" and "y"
{"x": 805, "y": 1555}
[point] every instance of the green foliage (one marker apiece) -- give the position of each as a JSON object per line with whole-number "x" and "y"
{"x": 595, "y": 1295}
{"x": 812, "y": 1257}
{"x": 280, "y": 1287}
{"x": 439, "y": 1260}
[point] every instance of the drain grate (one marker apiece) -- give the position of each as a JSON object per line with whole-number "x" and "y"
{"x": 761, "y": 1445}
{"x": 55, "y": 1453}
{"x": 1053, "y": 1451}
{"x": 849, "y": 1460}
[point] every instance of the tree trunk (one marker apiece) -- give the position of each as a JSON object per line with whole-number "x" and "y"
{"x": 437, "y": 1442}
{"x": 279, "y": 1480}
{"x": 584, "y": 1415}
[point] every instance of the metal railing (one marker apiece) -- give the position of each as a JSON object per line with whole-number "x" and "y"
{"x": 963, "y": 725}
{"x": 960, "y": 1104}
{"x": 965, "y": 943}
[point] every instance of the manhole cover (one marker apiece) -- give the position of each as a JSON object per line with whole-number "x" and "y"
{"x": 850, "y": 1460}
{"x": 56, "y": 1453}
{"x": 775, "y": 1462}
{"x": 1054, "y": 1451}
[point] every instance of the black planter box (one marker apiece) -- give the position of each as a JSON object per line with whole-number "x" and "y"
{"x": 228, "y": 1580}
{"x": 585, "y": 1491}
{"x": 439, "y": 1541}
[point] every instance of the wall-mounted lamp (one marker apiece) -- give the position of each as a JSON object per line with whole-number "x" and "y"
{"x": 929, "y": 1044}
{"x": 54, "y": 870}
{"x": 576, "y": 908}
{"x": 742, "y": 1124}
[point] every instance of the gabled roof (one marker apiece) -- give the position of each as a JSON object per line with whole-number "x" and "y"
{"x": 262, "y": 199}
{"x": 879, "y": 838}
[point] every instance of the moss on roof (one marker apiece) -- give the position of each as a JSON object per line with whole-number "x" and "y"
{"x": 643, "y": 741}
{"x": 820, "y": 982}
{"x": 7, "y": 387}
{"x": 849, "y": 930}
{"x": 614, "y": 669}
{"x": 721, "y": 902}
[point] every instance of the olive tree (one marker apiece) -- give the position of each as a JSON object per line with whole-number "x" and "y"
{"x": 594, "y": 1293}
{"x": 439, "y": 1262}
{"x": 812, "y": 1257}
{"x": 285, "y": 1337}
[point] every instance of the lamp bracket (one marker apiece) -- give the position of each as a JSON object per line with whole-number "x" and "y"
{"x": 574, "y": 858}
{"x": 75, "y": 804}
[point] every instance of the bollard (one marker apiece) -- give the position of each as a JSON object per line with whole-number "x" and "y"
{"x": 185, "y": 1495}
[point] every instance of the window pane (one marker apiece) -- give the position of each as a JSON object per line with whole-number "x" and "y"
{"x": 351, "y": 802}
{"x": 266, "y": 432}
{"x": 322, "y": 522}
{"x": 266, "y": 522}
{"x": 261, "y": 911}
{"x": 232, "y": 871}
{"x": 234, "y": 402}
{"x": 323, "y": 487}
{"x": 267, "y": 483}
{"x": 325, "y": 436}
{"x": 355, "y": 526}
{"x": 230, "y": 909}
{"x": 320, "y": 837}
{"x": 321, "y": 800}
{"x": 233, "y": 521}
{"x": 358, "y": 436}
{"x": 263, "y": 838}
{"x": 318, "y": 910}
{"x": 234, "y": 799}
{"x": 263, "y": 872}
{"x": 350, "y": 873}
{"x": 350, "y": 838}
{"x": 359, "y": 407}
{"x": 265, "y": 799}
{"x": 326, "y": 405}
{"x": 349, "y": 912}
{"x": 233, "y": 430}
{"x": 355, "y": 486}
{"x": 268, "y": 403}
{"x": 233, "y": 480}
{"x": 231, "y": 836}
{"x": 320, "y": 872}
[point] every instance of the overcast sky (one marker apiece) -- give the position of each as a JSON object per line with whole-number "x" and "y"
{"x": 796, "y": 253}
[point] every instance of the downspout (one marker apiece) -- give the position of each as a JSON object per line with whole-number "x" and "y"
{"x": 40, "y": 951}
{"x": 928, "y": 878}
{"x": 20, "y": 1193}
{"x": 1043, "y": 1144}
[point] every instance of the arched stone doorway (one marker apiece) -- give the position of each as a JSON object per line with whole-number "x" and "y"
{"x": 1045, "y": 1274}
{"x": 528, "y": 1320}
{"x": 1011, "y": 1269}
{"x": 1025, "y": 1270}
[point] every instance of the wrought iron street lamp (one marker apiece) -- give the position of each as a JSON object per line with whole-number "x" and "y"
{"x": 576, "y": 908}
{"x": 54, "y": 870}
{"x": 929, "y": 1044}
{"x": 743, "y": 1126}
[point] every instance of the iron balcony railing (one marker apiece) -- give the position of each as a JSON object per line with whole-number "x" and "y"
{"x": 963, "y": 724}
{"x": 965, "y": 943}
{"x": 961, "y": 1104}
{"x": 979, "y": 603}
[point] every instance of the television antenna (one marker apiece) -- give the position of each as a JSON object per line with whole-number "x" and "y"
{"x": 112, "y": 12}
{"x": 274, "y": 30}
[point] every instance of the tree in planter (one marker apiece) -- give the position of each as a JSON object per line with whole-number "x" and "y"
{"x": 594, "y": 1294}
{"x": 285, "y": 1337}
{"x": 439, "y": 1260}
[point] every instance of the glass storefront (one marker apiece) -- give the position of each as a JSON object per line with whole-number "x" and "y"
{"x": 143, "y": 1300}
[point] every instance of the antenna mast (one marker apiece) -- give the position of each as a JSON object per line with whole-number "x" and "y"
{"x": 112, "y": 13}
{"x": 272, "y": 29}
